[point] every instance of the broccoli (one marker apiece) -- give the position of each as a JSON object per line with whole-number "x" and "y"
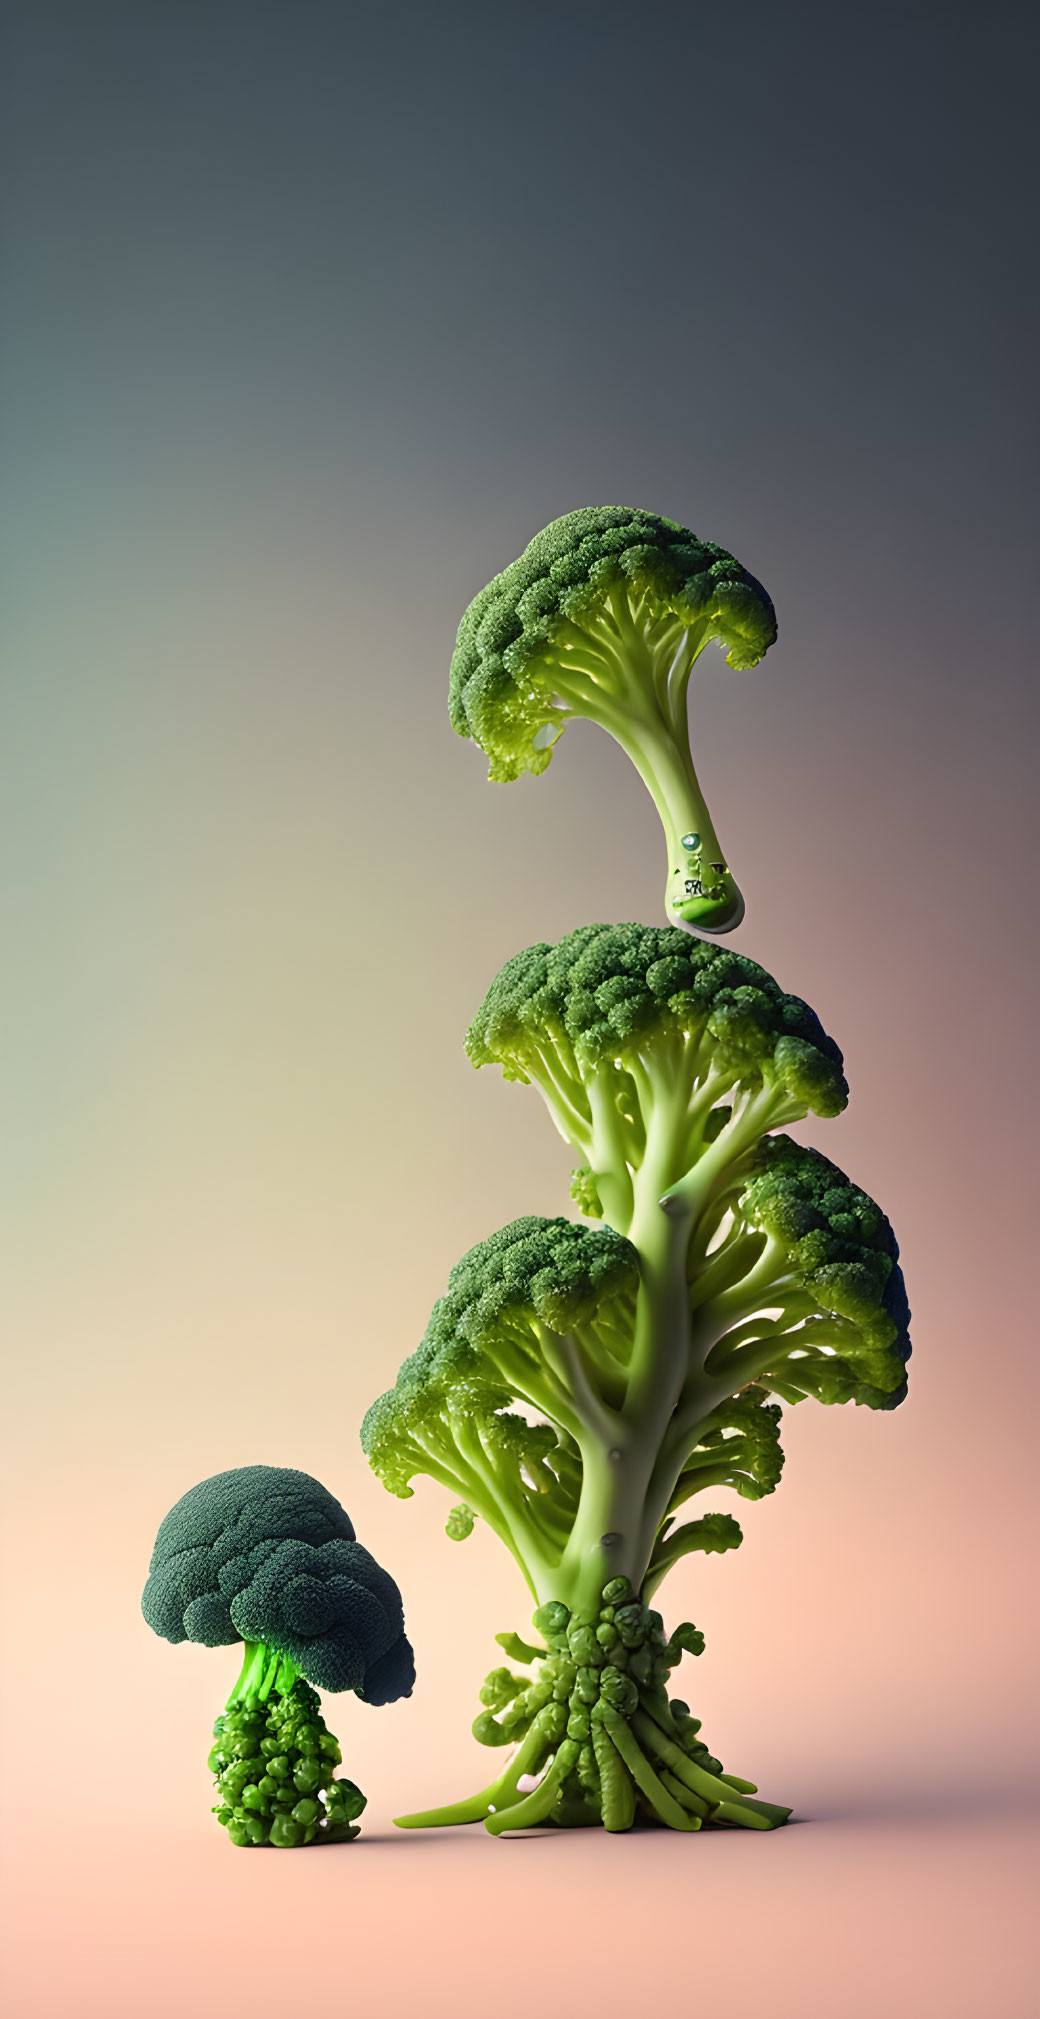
{"x": 579, "y": 1384}
{"x": 603, "y": 616}
{"x": 266, "y": 1556}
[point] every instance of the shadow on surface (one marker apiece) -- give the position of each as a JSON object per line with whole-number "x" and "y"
{"x": 895, "y": 1806}
{"x": 950, "y": 1804}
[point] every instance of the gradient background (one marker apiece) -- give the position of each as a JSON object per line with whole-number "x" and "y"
{"x": 313, "y": 315}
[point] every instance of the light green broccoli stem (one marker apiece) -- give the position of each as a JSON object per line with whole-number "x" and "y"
{"x": 632, "y": 1392}
{"x": 629, "y": 672}
{"x": 700, "y": 889}
{"x": 633, "y": 1467}
{"x": 635, "y": 1421}
{"x": 620, "y": 1446}
{"x": 265, "y": 1671}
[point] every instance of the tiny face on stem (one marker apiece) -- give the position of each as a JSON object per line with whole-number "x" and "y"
{"x": 704, "y": 895}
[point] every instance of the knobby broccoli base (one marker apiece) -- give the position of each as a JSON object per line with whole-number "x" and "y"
{"x": 274, "y": 1760}
{"x": 598, "y": 1728}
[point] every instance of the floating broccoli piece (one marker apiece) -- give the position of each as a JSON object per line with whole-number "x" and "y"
{"x": 603, "y": 616}
{"x": 266, "y": 1556}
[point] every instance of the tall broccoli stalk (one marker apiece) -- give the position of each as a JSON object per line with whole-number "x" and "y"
{"x": 578, "y": 1385}
{"x": 603, "y": 616}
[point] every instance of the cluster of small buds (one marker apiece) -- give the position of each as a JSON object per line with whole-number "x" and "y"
{"x": 275, "y": 1767}
{"x": 617, "y": 1661}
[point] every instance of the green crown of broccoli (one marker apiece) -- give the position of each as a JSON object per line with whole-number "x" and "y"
{"x": 565, "y": 574}
{"x": 559, "y": 1271}
{"x": 842, "y": 1249}
{"x": 603, "y": 616}
{"x": 515, "y": 1307}
{"x": 608, "y": 991}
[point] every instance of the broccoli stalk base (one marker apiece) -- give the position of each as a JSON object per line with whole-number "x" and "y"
{"x": 274, "y": 1760}
{"x": 597, "y": 1727}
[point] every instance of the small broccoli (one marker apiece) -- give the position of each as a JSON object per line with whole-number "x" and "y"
{"x": 578, "y": 1384}
{"x": 603, "y": 615}
{"x": 266, "y": 1556}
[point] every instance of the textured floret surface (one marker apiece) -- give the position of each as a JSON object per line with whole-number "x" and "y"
{"x": 607, "y": 990}
{"x": 275, "y": 1765}
{"x": 563, "y": 578}
{"x": 844, "y": 1250}
{"x": 266, "y": 1553}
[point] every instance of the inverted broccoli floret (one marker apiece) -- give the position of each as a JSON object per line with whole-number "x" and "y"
{"x": 603, "y": 616}
{"x": 267, "y": 1556}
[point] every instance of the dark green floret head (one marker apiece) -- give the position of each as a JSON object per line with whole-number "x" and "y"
{"x": 266, "y": 1554}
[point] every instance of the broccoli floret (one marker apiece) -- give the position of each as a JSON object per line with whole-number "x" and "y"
{"x": 537, "y": 1314}
{"x": 640, "y": 1035}
{"x": 843, "y": 1257}
{"x": 577, "y": 1385}
{"x": 603, "y": 616}
{"x": 266, "y": 1556}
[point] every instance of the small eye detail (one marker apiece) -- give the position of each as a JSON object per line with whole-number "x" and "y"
{"x": 691, "y": 841}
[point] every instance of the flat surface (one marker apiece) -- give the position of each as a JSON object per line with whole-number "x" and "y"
{"x": 891, "y": 1903}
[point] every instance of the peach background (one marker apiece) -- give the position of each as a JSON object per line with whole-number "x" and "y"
{"x": 256, "y": 888}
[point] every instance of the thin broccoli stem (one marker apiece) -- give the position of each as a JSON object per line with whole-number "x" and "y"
{"x": 562, "y": 1073}
{"x": 768, "y": 1281}
{"x": 561, "y": 1100}
{"x": 631, "y": 677}
{"x": 593, "y": 1413}
{"x": 609, "y": 1341}
{"x": 471, "y": 1482}
{"x": 264, "y": 1669}
{"x": 512, "y": 1520}
{"x": 747, "y": 1361}
{"x": 614, "y": 1149}
{"x": 699, "y": 887}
